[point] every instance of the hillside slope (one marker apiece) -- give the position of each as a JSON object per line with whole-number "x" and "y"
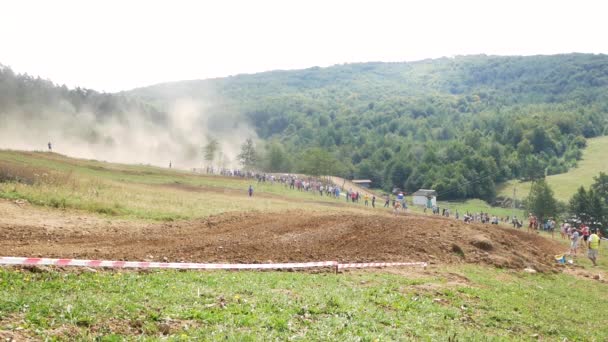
{"x": 489, "y": 118}
{"x": 530, "y": 79}
{"x": 142, "y": 192}
{"x": 458, "y": 125}
{"x": 565, "y": 185}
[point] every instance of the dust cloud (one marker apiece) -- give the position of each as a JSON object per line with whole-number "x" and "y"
{"x": 178, "y": 136}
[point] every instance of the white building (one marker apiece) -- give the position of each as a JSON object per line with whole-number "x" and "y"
{"x": 422, "y": 197}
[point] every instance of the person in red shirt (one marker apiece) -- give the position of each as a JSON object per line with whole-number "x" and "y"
{"x": 585, "y": 232}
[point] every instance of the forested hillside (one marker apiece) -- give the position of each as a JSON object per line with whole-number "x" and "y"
{"x": 35, "y": 97}
{"x": 458, "y": 125}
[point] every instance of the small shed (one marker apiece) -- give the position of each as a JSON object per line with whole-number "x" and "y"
{"x": 364, "y": 183}
{"x": 424, "y": 197}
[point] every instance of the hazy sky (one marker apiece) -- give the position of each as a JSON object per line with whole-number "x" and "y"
{"x": 118, "y": 45}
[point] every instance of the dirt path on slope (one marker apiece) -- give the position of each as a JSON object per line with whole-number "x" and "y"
{"x": 324, "y": 201}
{"x": 347, "y": 185}
{"x": 263, "y": 237}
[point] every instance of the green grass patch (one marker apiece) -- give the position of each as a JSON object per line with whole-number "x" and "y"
{"x": 477, "y": 206}
{"x": 472, "y": 206}
{"x": 492, "y": 305}
{"x": 565, "y": 185}
{"x": 141, "y": 192}
{"x": 147, "y": 192}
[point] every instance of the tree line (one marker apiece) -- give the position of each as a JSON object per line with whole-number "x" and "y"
{"x": 589, "y": 206}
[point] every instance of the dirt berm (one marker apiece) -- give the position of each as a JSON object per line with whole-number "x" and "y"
{"x": 280, "y": 237}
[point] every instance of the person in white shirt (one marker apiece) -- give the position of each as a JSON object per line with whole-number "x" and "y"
{"x": 574, "y": 242}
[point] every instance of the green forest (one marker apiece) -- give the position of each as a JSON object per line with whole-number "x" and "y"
{"x": 458, "y": 125}
{"x": 32, "y": 96}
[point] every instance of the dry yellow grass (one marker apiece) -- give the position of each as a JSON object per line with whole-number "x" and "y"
{"x": 145, "y": 192}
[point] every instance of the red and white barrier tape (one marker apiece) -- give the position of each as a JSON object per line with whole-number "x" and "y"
{"x": 196, "y": 266}
{"x": 381, "y": 264}
{"x": 144, "y": 264}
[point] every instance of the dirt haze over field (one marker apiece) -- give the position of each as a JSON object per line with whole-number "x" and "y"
{"x": 292, "y": 236}
{"x": 177, "y": 136}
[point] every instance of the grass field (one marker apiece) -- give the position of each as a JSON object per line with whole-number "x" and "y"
{"x": 447, "y": 302}
{"x": 132, "y": 191}
{"x": 460, "y": 303}
{"x": 472, "y": 206}
{"x": 476, "y": 206}
{"x": 142, "y": 192}
{"x": 565, "y": 185}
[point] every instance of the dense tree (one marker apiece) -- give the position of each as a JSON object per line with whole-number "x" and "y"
{"x": 368, "y": 170}
{"x": 210, "y": 150}
{"x": 248, "y": 156}
{"x": 276, "y": 159}
{"x": 590, "y": 205}
{"x": 541, "y": 201}
{"x": 597, "y": 210}
{"x": 579, "y": 205}
{"x": 399, "y": 174}
{"x": 600, "y": 186}
{"x": 318, "y": 162}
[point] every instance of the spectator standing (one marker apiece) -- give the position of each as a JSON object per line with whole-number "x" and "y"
{"x": 574, "y": 242}
{"x": 593, "y": 245}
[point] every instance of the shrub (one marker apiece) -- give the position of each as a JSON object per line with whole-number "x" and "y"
{"x": 58, "y": 203}
{"x": 13, "y": 173}
{"x": 18, "y": 174}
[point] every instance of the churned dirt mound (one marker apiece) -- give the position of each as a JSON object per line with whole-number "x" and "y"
{"x": 296, "y": 236}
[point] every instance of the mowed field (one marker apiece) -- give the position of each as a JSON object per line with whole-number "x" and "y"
{"x": 474, "y": 288}
{"x": 594, "y": 161}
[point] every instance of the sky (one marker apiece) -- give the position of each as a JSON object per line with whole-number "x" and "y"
{"x": 113, "y": 45}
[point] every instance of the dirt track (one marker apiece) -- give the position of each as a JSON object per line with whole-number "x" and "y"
{"x": 263, "y": 237}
